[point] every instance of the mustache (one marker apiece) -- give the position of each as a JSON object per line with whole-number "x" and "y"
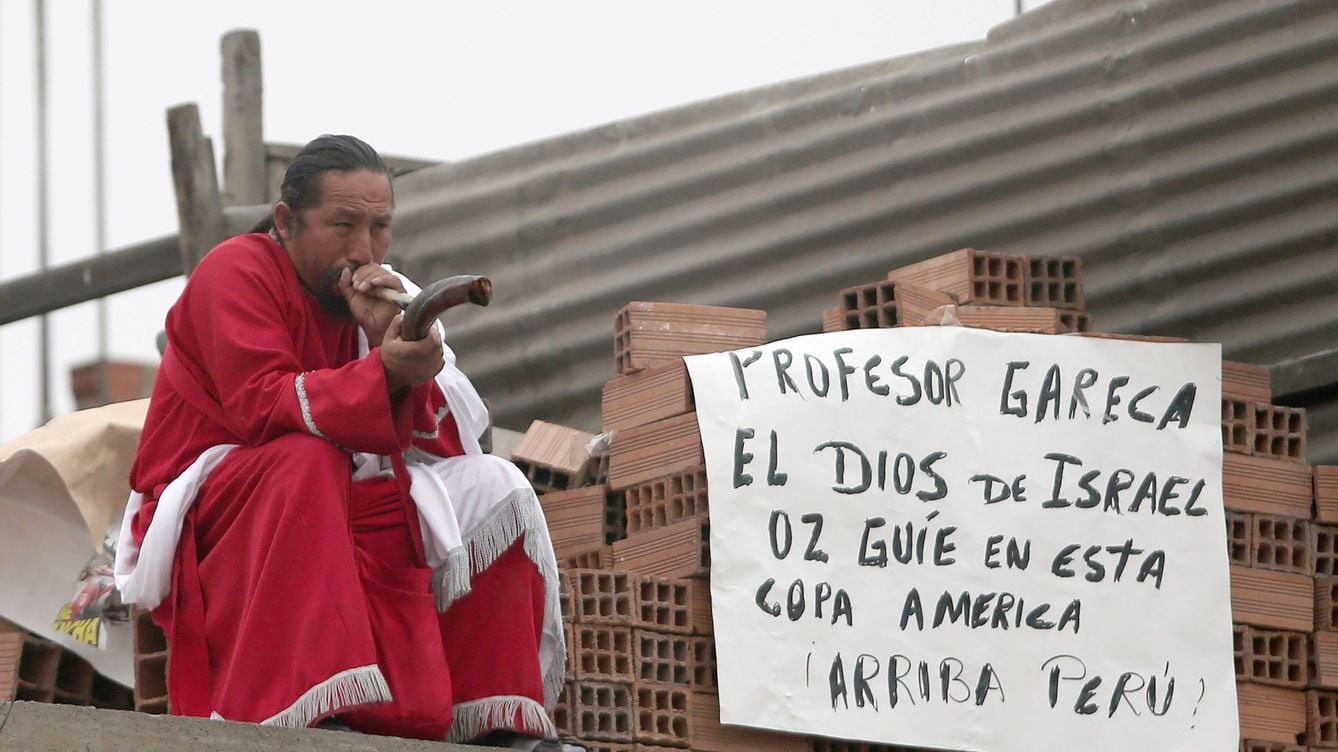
{"x": 328, "y": 294}
{"x": 330, "y": 280}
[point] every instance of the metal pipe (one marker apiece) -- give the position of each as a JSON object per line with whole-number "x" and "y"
{"x": 43, "y": 355}
{"x": 99, "y": 195}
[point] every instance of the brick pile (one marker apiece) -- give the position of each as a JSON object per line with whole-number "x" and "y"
{"x": 647, "y": 591}
{"x": 1322, "y": 694}
{"x": 633, "y": 547}
{"x": 35, "y": 669}
{"x": 1268, "y": 492}
{"x": 983, "y": 289}
{"x": 150, "y": 645}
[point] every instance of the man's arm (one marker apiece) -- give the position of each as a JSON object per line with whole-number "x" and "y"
{"x": 246, "y": 335}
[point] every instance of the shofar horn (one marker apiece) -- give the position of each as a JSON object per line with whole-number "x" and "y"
{"x": 421, "y": 310}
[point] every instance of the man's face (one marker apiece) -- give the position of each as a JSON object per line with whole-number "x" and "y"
{"x": 348, "y": 228}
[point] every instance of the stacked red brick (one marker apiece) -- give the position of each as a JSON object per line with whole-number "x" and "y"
{"x": 1268, "y": 493}
{"x": 38, "y": 670}
{"x": 621, "y": 701}
{"x": 1010, "y": 293}
{"x": 1279, "y": 592}
{"x": 642, "y": 674}
{"x": 150, "y": 645}
{"x": 1322, "y": 699}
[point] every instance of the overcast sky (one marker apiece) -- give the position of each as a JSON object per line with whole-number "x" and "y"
{"x": 437, "y": 80}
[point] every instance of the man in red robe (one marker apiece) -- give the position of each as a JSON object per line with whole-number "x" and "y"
{"x": 312, "y": 519}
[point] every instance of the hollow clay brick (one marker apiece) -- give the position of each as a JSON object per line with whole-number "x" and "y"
{"x": 1321, "y": 718}
{"x": 643, "y": 453}
{"x": 1271, "y": 714}
{"x": 1240, "y": 538}
{"x": 1277, "y": 600}
{"x": 885, "y": 304}
{"x": 602, "y": 652}
{"x": 1246, "y": 381}
{"x": 554, "y": 457}
{"x": 1279, "y": 432}
{"x": 150, "y": 666}
{"x": 1237, "y": 426}
{"x": 649, "y": 334}
{"x": 662, "y": 657}
{"x": 599, "y": 461}
{"x": 561, "y": 714}
{"x": 661, "y": 714}
{"x": 1324, "y": 545}
{"x": 1324, "y": 660}
{"x": 1274, "y": 657}
{"x": 832, "y": 320}
{"x": 1326, "y": 603}
{"x": 678, "y": 550}
{"x": 1054, "y": 281}
{"x": 1282, "y": 544}
{"x": 151, "y": 681}
{"x": 148, "y": 636}
{"x": 664, "y": 604}
{"x": 647, "y": 396}
{"x": 11, "y": 653}
{"x": 602, "y": 711}
{"x": 594, "y": 557}
{"x": 1024, "y": 319}
{"x": 704, "y": 664}
{"x": 1326, "y": 493}
{"x": 604, "y": 596}
{"x": 575, "y": 517}
{"x": 1263, "y": 485}
{"x": 970, "y": 276}
{"x": 615, "y": 515}
{"x": 664, "y": 501}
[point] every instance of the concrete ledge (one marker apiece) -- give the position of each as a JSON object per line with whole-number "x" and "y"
{"x": 40, "y": 727}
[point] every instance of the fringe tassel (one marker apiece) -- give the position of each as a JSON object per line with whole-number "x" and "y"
{"x": 475, "y": 718}
{"x": 356, "y": 686}
{"x": 519, "y": 512}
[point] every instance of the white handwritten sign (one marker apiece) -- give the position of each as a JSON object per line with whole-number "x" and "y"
{"x": 955, "y": 538}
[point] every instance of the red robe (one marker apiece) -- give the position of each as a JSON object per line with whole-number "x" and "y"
{"x": 296, "y": 592}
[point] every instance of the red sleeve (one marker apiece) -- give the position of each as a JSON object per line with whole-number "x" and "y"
{"x": 434, "y": 428}
{"x": 237, "y": 322}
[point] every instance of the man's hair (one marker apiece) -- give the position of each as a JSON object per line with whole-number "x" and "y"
{"x": 301, "y": 187}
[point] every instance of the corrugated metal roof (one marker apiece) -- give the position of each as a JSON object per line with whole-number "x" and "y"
{"x": 1184, "y": 148}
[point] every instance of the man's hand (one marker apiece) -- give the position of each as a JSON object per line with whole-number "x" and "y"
{"x": 370, "y": 312}
{"x": 409, "y": 363}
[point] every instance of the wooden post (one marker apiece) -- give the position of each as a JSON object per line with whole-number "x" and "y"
{"x": 199, "y": 207}
{"x": 243, "y": 110}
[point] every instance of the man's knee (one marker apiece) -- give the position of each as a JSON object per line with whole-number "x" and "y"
{"x": 489, "y": 471}
{"x": 299, "y": 462}
{"x": 300, "y": 453}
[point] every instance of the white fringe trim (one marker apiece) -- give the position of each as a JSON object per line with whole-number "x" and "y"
{"x": 356, "y": 686}
{"x": 519, "y": 512}
{"x": 475, "y": 718}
